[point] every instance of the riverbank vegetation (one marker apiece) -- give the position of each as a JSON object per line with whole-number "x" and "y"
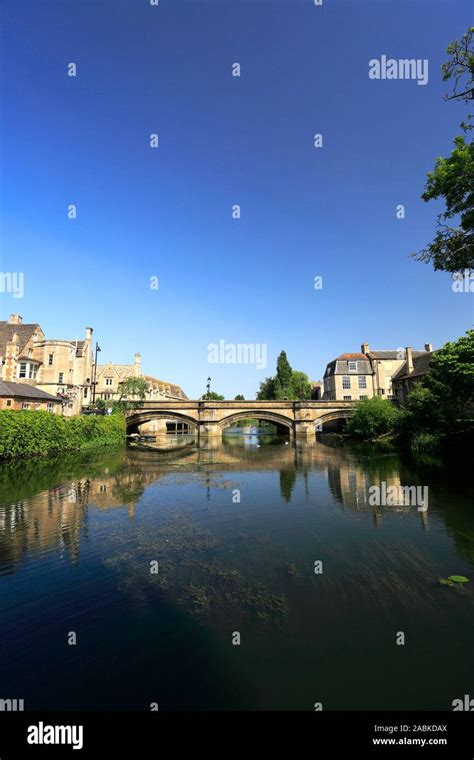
{"x": 27, "y": 433}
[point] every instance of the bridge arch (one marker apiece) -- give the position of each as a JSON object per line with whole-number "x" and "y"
{"x": 268, "y": 416}
{"x": 334, "y": 416}
{"x": 136, "y": 419}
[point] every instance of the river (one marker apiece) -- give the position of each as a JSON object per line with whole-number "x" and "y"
{"x": 249, "y": 574}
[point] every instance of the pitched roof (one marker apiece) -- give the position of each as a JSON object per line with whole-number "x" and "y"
{"x": 351, "y": 357}
{"x": 341, "y": 366}
{"x": 23, "y": 331}
{"x": 391, "y": 354}
{"x": 421, "y": 365}
{"x": 171, "y": 386}
{"x": 22, "y": 390}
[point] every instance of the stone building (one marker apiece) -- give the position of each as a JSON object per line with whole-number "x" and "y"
{"x": 364, "y": 374}
{"x": 19, "y": 396}
{"x": 110, "y": 378}
{"x": 61, "y": 368}
{"x": 412, "y": 371}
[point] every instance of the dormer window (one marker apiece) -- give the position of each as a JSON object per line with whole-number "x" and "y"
{"x": 352, "y": 366}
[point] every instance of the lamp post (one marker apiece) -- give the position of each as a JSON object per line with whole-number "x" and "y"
{"x": 94, "y": 377}
{"x": 208, "y": 387}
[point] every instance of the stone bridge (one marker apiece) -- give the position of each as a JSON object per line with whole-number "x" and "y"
{"x": 209, "y": 418}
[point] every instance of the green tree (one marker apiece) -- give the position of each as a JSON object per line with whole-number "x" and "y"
{"x": 283, "y": 377}
{"x": 212, "y": 396}
{"x": 451, "y": 377}
{"x": 239, "y": 397}
{"x": 374, "y": 417}
{"x": 266, "y": 391}
{"x": 132, "y": 394}
{"x": 300, "y": 386}
{"x": 452, "y": 179}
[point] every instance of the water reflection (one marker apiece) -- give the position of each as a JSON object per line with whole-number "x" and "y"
{"x": 234, "y": 530}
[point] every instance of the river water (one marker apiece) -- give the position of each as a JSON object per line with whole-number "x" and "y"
{"x": 250, "y": 574}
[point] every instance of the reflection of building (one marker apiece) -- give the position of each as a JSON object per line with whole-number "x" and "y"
{"x": 59, "y": 367}
{"x": 356, "y": 376}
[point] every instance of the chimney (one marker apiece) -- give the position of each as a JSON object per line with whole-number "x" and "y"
{"x": 15, "y": 319}
{"x": 137, "y": 365}
{"x": 89, "y": 331}
{"x": 428, "y": 347}
{"x": 364, "y": 348}
{"x": 409, "y": 355}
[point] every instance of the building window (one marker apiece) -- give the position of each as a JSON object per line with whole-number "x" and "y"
{"x": 9, "y": 402}
{"x": 362, "y": 398}
{"x": 85, "y": 392}
{"x": 50, "y": 360}
{"x": 22, "y": 372}
{"x": 50, "y": 406}
{"x": 346, "y": 382}
{"x": 33, "y": 371}
{"x": 352, "y": 366}
{"x": 362, "y": 381}
{"x": 25, "y": 405}
{"x": 108, "y": 380}
{"x": 347, "y": 398}
{"x": 61, "y": 377}
{"x": 28, "y": 370}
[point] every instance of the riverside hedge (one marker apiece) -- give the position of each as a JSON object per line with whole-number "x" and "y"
{"x": 26, "y": 433}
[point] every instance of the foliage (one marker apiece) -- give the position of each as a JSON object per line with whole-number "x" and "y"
{"x": 374, "y": 417}
{"x": 239, "y": 397}
{"x": 286, "y": 384}
{"x": 212, "y": 396}
{"x": 132, "y": 394}
{"x": 266, "y": 391}
{"x": 451, "y": 378}
{"x": 452, "y": 179}
{"x": 24, "y": 433}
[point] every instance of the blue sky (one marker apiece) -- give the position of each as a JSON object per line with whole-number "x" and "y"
{"x": 225, "y": 140}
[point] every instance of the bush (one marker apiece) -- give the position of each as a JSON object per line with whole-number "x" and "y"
{"x": 24, "y": 433}
{"x": 374, "y": 417}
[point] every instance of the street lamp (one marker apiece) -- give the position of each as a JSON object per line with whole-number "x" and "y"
{"x": 208, "y": 387}
{"x": 94, "y": 377}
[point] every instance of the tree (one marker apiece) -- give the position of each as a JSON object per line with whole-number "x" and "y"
{"x": 452, "y": 249}
{"x": 283, "y": 376}
{"x": 374, "y": 417}
{"x": 451, "y": 377}
{"x": 239, "y": 397}
{"x": 460, "y": 67}
{"x": 132, "y": 394}
{"x": 300, "y": 386}
{"x": 212, "y": 396}
{"x": 286, "y": 384}
{"x": 266, "y": 391}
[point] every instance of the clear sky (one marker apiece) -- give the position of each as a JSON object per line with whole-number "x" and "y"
{"x": 225, "y": 140}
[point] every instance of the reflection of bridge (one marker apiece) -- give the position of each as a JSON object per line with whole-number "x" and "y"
{"x": 303, "y": 418}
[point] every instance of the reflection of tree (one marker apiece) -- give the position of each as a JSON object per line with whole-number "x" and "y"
{"x": 287, "y": 482}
